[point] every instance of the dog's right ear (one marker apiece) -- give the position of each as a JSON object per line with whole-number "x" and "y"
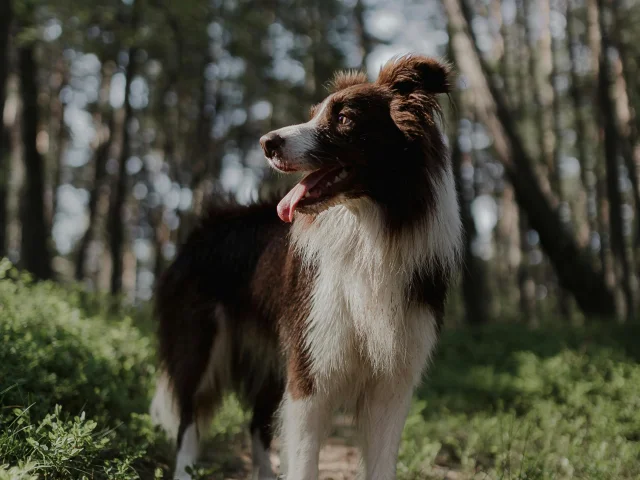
{"x": 416, "y": 73}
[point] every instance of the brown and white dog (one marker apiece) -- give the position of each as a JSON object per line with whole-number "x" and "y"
{"x": 338, "y": 302}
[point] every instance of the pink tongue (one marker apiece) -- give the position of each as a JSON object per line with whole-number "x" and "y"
{"x": 287, "y": 205}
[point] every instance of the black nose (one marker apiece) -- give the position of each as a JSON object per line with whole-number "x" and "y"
{"x": 271, "y": 142}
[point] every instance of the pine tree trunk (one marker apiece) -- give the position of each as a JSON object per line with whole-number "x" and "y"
{"x": 574, "y": 271}
{"x": 99, "y": 175}
{"x": 540, "y": 68}
{"x": 57, "y": 131}
{"x": 117, "y": 207}
{"x": 564, "y": 210}
{"x": 34, "y": 253}
{"x": 6, "y": 17}
{"x": 474, "y": 278}
{"x": 475, "y": 289}
{"x": 611, "y": 141}
{"x": 365, "y": 40}
{"x": 584, "y": 134}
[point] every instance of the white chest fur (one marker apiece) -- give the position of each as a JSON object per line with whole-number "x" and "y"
{"x": 360, "y": 317}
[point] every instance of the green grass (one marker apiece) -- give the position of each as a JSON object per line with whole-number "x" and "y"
{"x": 75, "y": 385}
{"x": 503, "y": 402}
{"x": 509, "y": 403}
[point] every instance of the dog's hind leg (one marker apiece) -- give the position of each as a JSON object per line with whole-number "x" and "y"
{"x": 197, "y": 388}
{"x": 265, "y": 407}
{"x": 188, "y": 446}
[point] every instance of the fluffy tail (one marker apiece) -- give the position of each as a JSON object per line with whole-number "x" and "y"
{"x": 164, "y": 407}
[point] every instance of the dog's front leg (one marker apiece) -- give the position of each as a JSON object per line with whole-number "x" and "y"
{"x": 381, "y": 419}
{"x": 304, "y": 424}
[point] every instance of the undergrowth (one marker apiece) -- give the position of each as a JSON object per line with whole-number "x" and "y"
{"x": 506, "y": 402}
{"x": 502, "y": 402}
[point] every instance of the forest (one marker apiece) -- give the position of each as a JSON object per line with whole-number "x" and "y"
{"x": 120, "y": 119}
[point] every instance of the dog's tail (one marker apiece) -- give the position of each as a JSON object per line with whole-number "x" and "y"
{"x": 186, "y": 332}
{"x": 164, "y": 407}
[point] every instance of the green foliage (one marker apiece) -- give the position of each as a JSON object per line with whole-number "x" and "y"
{"x": 73, "y": 386}
{"x": 503, "y": 402}
{"x": 513, "y": 403}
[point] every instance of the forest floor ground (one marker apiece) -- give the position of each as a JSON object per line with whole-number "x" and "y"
{"x": 500, "y": 402}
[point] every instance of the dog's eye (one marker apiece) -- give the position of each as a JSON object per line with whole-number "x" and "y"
{"x": 344, "y": 120}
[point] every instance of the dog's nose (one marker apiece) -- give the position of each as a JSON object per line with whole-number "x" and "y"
{"x": 271, "y": 142}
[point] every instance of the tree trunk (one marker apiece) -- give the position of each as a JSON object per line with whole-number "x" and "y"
{"x": 564, "y": 208}
{"x": 57, "y": 131}
{"x": 117, "y": 207}
{"x": 475, "y": 290}
{"x": 99, "y": 174}
{"x": 367, "y": 43}
{"x": 474, "y": 278}
{"x": 612, "y": 139}
{"x": 584, "y": 134}
{"x": 34, "y": 253}
{"x": 540, "y": 68}
{"x": 6, "y": 17}
{"x": 574, "y": 271}
{"x": 627, "y": 96}
{"x": 526, "y": 283}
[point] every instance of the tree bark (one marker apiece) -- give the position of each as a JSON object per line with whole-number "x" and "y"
{"x": 6, "y": 17}
{"x": 35, "y": 256}
{"x": 57, "y": 131}
{"x": 612, "y": 139}
{"x": 117, "y": 207}
{"x": 366, "y": 41}
{"x": 627, "y": 96}
{"x": 540, "y": 69}
{"x": 474, "y": 278}
{"x": 584, "y": 132}
{"x": 574, "y": 271}
{"x": 564, "y": 208}
{"x": 99, "y": 175}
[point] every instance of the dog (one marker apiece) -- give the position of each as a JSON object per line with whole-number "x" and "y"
{"x": 334, "y": 297}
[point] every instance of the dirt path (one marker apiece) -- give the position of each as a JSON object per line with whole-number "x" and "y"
{"x": 339, "y": 458}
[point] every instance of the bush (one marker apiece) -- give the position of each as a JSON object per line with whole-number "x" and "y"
{"x": 74, "y": 388}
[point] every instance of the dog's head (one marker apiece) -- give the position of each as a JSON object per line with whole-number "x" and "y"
{"x": 375, "y": 140}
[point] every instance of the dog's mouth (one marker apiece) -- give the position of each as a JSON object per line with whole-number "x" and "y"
{"x": 317, "y": 191}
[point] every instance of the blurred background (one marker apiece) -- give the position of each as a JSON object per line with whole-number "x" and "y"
{"x": 119, "y": 117}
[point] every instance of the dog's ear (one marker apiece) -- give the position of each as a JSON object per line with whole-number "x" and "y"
{"x": 416, "y": 73}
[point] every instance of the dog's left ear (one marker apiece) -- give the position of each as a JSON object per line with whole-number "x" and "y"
{"x": 416, "y": 73}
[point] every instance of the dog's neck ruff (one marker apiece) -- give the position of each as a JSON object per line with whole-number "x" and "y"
{"x": 355, "y": 233}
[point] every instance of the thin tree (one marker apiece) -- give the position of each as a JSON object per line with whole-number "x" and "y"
{"x": 100, "y": 158}
{"x": 6, "y": 19}
{"x": 34, "y": 254}
{"x": 116, "y": 221}
{"x": 366, "y": 41}
{"x": 475, "y": 289}
{"x": 612, "y": 140}
{"x": 583, "y": 129}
